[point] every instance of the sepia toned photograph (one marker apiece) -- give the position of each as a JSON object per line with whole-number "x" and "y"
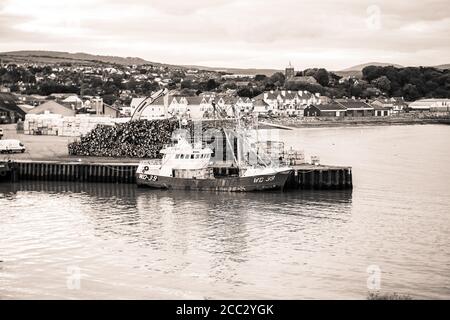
{"x": 222, "y": 150}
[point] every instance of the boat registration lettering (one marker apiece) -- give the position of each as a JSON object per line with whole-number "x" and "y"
{"x": 148, "y": 177}
{"x": 263, "y": 179}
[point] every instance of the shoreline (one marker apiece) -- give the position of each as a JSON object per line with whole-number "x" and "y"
{"x": 319, "y": 123}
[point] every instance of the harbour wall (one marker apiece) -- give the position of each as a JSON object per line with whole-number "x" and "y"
{"x": 305, "y": 176}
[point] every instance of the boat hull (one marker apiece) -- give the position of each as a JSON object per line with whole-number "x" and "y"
{"x": 275, "y": 181}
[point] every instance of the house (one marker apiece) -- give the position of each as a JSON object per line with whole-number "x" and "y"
{"x": 102, "y": 109}
{"x": 244, "y": 105}
{"x": 229, "y": 104}
{"x": 435, "y": 105}
{"x": 135, "y": 102}
{"x": 159, "y": 108}
{"x": 52, "y": 107}
{"x": 25, "y": 107}
{"x": 261, "y": 107}
{"x": 382, "y": 111}
{"x": 4, "y": 89}
{"x": 325, "y": 110}
{"x": 396, "y": 104}
{"x": 194, "y": 106}
{"x": 356, "y": 108}
{"x": 178, "y": 106}
{"x": 323, "y": 99}
{"x": 9, "y": 111}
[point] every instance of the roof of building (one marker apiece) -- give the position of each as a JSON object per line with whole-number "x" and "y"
{"x": 259, "y": 96}
{"x": 427, "y": 103}
{"x": 355, "y": 104}
{"x": 25, "y": 107}
{"x": 230, "y": 100}
{"x": 290, "y": 95}
{"x": 272, "y": 95}
{"x": 8, "y": 103}
{"x": 260, "y": 102}
{"x": 304, "y": 94}
{"x": 391, "y": 100}
{"x": 433, "y": 100}
{"x": 381, "y": 107}
{"x": 52, "y": 107}
{"x": 72, "y": 99}
{"x": 194, "y": 100}
{"x": 334, "y": 106}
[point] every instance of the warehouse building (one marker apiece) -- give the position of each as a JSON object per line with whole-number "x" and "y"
{"x": 435, "y": 105}
{"x": 325, "y": 110}
{"x": 52, "y": 107}
{"x": 356, "y": 108}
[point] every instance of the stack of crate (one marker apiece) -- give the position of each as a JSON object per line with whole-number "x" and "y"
{"x": 57, "y": 125}
{"x": 295, "y": 157}
{"x": 45, "y": 124}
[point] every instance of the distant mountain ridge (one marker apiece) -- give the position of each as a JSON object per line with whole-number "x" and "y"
{"x": 42, "y": 56}
{"x": 50, "y": 57}
{"x": 359, "y": 67}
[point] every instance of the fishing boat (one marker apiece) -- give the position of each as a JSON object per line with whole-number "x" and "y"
{"x": 188, "y": 165}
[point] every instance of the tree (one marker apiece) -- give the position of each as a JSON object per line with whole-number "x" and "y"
{"x": 382, "y": 83}
{"x": 410, "y": 92}
{"x": 372, "y": 72}
{"x": 186, "y": 84}
{"x": 211, "y": 85}
{"x": 248, "y": 92}
{"x": 322, "y": 77}
{"x": 278, "y": 78}
{"x": 260, "y": 77}
{"x": 109, "y": 98}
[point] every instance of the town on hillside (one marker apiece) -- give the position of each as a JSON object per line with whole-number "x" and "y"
{"x": 42, "y": 95}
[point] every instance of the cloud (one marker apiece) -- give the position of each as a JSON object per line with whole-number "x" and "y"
{"x": 244, "y": 33}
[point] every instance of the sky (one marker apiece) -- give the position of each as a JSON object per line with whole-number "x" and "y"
{"x": 242, "y": 33}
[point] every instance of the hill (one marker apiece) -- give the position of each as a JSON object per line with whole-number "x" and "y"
{"x": 249, "y": 71}
{"x": 359, "y": 67}
{"x": 53, "y": 57}
{"x": 443, "y": 66}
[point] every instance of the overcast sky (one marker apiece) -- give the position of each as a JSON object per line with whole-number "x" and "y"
{"x": 241, "y": 33}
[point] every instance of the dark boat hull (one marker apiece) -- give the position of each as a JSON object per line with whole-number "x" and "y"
{"x": 275, "y": 181}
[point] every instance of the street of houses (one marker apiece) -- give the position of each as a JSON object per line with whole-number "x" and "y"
{"x": 276, "y": 104}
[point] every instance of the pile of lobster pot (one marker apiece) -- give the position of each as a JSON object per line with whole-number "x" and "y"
{"x": 133, "y": 139}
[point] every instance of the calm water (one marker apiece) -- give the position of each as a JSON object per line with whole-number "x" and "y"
{"x": 125, "y": 242}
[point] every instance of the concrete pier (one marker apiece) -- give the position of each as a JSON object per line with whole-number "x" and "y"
{"x": 305, "y": 176}
{"x": 73, "y": 171}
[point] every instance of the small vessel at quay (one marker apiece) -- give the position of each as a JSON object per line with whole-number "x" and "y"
{"x": 190, "y": 166}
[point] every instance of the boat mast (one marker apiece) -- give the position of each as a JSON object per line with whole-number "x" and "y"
{"x": 238, "y": 130}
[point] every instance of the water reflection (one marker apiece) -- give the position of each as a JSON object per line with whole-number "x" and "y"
{"x": 209, "y": 235}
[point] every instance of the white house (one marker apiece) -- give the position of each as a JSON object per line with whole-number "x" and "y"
{"x": 395, "y": 104}
{"x": 128, "y": 111}
{"x": 261, "y": 107}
